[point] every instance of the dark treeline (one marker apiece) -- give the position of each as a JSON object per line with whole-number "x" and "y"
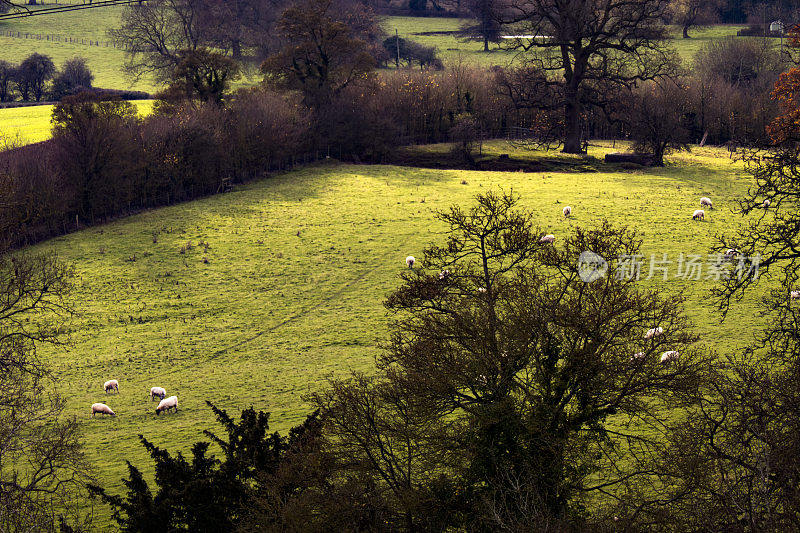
{"x": 104, "y": 161}
{"x": 36, "y": 78}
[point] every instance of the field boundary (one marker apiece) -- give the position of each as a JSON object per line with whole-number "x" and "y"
{"x": 55, "y": 38}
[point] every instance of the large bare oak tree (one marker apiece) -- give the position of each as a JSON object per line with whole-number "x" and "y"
{"x": 577, "y": 52}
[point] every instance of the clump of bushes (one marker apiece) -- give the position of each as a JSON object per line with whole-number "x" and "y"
{"x": 103, "y": 160}
{"x": 412, "y": 52}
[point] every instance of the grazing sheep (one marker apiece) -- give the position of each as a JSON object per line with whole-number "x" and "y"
{"x": 706, "y": 202}
{"x": 444, "y": 273}
{"x": 765, "y": 204}
{"x": 482, "y": 290}
{"x": 671, "y": 355}
{"x": 699, "y": 214}
{"x": 157, "y": 392}
{"x": 795, "y": 295}
{"x": 166, "y": 405}
{"x": 567, "y": 211}
{"x": 103, "y": 409}
{"x": 410, "y": 261}
{"x": 111, "y": 384}
{"x": 655, "y": 332}
{"x": 638, "y": 355}
{"x": 548, "y": 239}
{"x": 730, "y": 254}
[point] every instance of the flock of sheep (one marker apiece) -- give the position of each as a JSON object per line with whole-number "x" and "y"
{"x": 155, "y": 392}
{"x": 699, "y": 214}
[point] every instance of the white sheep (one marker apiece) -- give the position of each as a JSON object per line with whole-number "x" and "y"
{"x": 103, "y": 409}
{"x": 444, "y": 274}
{"x": 167, "y": 404}
{"x": 638, "y": 355}
{"x": 157, "y": 392}
{"x": 795, "y": 295}
{"x": 671, "y": 355}
{"x": 655, "y": 332}
{"x": 410, "y": 261}
{"x": 699, "y": 214}
{"x": 730, "y": 254}
{"x": 765, "y": 204}
{"x": 706, "y": 202}
{"x": 567, "y": 211}
{"x": 111, "y": 384}
{"x": 548, "y": 239}
{"x": 482, "y": 290}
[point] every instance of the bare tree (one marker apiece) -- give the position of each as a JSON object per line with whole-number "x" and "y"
{"x": 510, "y": 364}
{"x": 485, "y": 25}
{"x": 42, "y": 467}
{"x": 690, "y": 14}
{"x": 657, "y": 117}
{"x": 155, "y": 34}
{"x": 582, "y": 49}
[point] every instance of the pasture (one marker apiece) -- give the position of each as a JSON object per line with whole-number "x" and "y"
{"x": 255, "y": 296}
{"x": 32, "y": 124}
{"x": 439, "y": 32}
{"x": 106, "y": 61}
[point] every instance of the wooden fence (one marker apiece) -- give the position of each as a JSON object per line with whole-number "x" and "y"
{"x": 58, "y": 38}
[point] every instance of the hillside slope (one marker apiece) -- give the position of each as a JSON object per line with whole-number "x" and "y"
{"x": 297, "y": 268}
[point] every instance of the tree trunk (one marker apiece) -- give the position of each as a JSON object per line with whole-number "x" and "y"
{"x": 658, "y": 156}
{"x": 572, "y": 124}
{"x": 485, "y": 43}
{"x": 686, "y": 32}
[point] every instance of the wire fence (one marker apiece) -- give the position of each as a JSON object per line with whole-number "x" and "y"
{"x": 59, "y": 39}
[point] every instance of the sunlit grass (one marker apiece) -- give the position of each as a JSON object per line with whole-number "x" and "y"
{"x": 297, "y": 268}
{"x": 30, "y": 124}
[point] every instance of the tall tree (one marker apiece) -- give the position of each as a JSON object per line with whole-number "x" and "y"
{"x": 582, "y": 49}
{"x": 204, "y": 75}
{"x": 326, "y": 48}
{"x": 8, "y": 73}
{"x": 485, "y": 25}
{"x": 242, "y": 26}
{"x": 33, "y": 74}
{"x": 154, "y": 34}
{"x": 772, "y": 234}
{"x": 689, "y": 14}
{"x": 657, "y": 118}
{"x": 515, "y": 382}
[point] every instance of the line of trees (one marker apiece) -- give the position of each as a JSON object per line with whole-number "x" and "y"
{"x": 37, "y": 78}
{"x": 336, "y": 103}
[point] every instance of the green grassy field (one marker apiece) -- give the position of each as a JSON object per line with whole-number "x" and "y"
{"x": 452, "y": 49}
{"x": 31, "y": 124}
{"x": 298, "y": 267}
{"x": 105, "y": 61}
